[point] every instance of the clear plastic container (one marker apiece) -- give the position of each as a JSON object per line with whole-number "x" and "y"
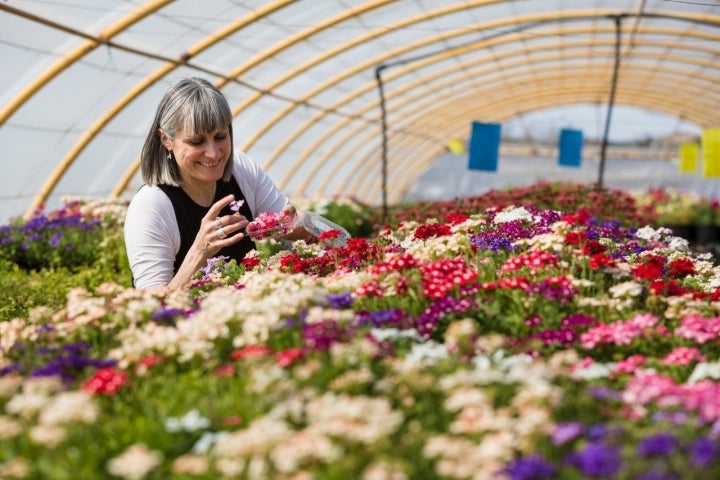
{"x": 317, "y": 224}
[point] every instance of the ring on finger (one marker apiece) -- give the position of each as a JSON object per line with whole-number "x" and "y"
{"x": 218, "y": 222}
{"x": 221, "y": 233}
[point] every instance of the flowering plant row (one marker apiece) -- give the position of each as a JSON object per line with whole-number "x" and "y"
{"x": 511, "y": 343}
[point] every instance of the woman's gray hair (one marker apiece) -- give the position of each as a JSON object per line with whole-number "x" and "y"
{"x": 192, "y": 105}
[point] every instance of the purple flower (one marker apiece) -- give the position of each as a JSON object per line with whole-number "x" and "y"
{"x": 211, "y": 266}
{"x": 494, "y": 243}
{"x": 597, "y": 460}
{"x": 236, "y": 204}
{"x": 167, "y": 316}
{"x": 661, "y": 444}
{"x": 384, "y": 318}
{"x": 68, "y": 362}
{"x": 657, "y": 475}
{"x": 320, "y": 336}
{"x": 55, "y": 239}
{"x": 703, "y": 452}
{"x": 564, "y": 432}
{"x": 340, "y": 300}
{"x": 600, "y": 431}
{"x": 676, "y": 418}
{"x": 576, "y": 320}
{"x": 603, "y": 393}
{"x": 534, "y": 467}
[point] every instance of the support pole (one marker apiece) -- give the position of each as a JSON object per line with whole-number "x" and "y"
{"x": 611, "y": 102}
{"x": 383, "y": 127}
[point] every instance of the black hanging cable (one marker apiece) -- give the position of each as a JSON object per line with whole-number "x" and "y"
{"x": 611, "y": 101}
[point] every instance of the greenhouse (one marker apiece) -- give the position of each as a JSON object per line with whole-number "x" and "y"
{"x": 371, "y": 239}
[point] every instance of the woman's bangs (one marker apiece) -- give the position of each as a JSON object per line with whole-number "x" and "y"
{"x": 206, "y": 115}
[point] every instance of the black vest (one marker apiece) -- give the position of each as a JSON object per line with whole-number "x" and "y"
{"x": 189, "y": 215}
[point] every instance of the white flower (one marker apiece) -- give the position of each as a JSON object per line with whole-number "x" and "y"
{"x": 135, "y": 462}
{"x": 428, "y": 353}
{"x": 206, "y": 441}
{"x": 383, "y": 334}
{"x": 705, "y": 370}
{"x": 649, "y": 233}
{"x": 190, "y": 422}
{"x": 511, "y": 214}
{"x": 626, "y": 289}
{"x": 68, "y": 407}
{"x": 593, "y": 371}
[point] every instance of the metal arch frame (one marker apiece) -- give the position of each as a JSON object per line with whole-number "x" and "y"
{"x": 302, "y": 35}
{"x": 403, "y": 23}
{"x": 90, "y": 133}
{"x": 566, "y": 94}
{"x": 129, "y": 174}
{"x": 372, "y": 63}
{"x": 552, "y": 92}
{"x": 305, "y": 66}
{"x": 224, "y": 33}
{"x": 496, "y": 112}
{"x": 286, "y": 111}
{"x": 443, "y": 74}
{"x": 76, "y": 54}
{"x": 423, "y": 108}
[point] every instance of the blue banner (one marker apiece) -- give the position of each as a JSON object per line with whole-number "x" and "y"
{"x": 484, "y": 146}
{"x": 571, "y": 143}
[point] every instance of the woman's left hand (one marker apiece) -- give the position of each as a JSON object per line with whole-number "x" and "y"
{"x": 298, "y": 232}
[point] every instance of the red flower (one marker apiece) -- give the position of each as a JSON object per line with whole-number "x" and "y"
{"x": 431, "y": 230}
{"x": 574, "y": 238}
{"x": 580, "y": 217}
{"x": 150, "y": 360}
{"x": 593, "y": 246}
{"x": 329, "y": 235}
{"x": 681, "y": 267}
{"x": 600, "y": 260}
{"x": 455, "y": 218}
{"x": 651, "y": 268}
{"x": 287, "y": 357}
{"x": 667, "y": 289}
{"x": 250, "y": 351}
{"x": 227, "y": 370}
{"x": 250, "y": 262}
{"x": 105, "y": 381}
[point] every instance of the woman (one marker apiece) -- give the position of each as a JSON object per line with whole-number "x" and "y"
{"x": 181, "y": 216}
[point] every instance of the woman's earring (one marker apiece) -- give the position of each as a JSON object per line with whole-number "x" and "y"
{"x": 169, "y": 155}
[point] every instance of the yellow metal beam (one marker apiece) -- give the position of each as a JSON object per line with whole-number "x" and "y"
{"x": 146, "y": 82}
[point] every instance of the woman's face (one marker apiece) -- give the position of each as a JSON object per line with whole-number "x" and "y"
{"x": 200, "y": 157}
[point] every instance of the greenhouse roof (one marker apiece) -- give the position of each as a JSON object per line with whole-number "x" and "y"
{"x": 310, "y": 82}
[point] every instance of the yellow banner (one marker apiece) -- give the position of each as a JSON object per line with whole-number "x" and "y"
{"x": 711, "y": 152}
{"x": 689, "y": 157}
{"x": 456, "y": 146}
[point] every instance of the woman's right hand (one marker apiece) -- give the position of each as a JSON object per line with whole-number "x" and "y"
{"x": 217, "y": 232}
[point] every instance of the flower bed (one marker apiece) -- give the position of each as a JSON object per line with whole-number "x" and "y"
{"x": 518, "y": 343}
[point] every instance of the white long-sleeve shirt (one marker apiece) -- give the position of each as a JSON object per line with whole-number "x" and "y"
{"x": 152, "y": 237}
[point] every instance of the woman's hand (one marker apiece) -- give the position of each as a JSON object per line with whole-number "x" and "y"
{"x": 217, "y": 232}
{"x": 298, "y": 232}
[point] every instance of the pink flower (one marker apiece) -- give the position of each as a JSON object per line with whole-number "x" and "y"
{"x": 268, "y": 224}
{"x": 683, "y": 356}
{"x": 629, "y": 365}
{"x": 236, "y": 204}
